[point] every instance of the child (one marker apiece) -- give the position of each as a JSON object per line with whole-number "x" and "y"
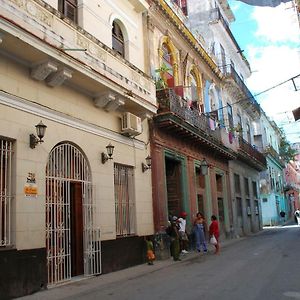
{"x": 214, "y": 230}
{"x": 150, "y": 253}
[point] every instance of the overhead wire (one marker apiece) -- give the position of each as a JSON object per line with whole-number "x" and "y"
{"x": 258, "y": 94}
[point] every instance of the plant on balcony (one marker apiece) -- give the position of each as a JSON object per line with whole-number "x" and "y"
{"x": 160, "y": 81}
{"x": 238, "y": 129}
{"x": 285, "y": 150}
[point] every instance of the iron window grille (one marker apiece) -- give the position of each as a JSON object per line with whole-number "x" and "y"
{"x": 6, "y": 152}
{"x": 124, "y": 200}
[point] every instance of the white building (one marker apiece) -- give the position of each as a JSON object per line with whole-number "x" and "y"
{"x": 236, "y": 110}
{"x": 65, "y": 209}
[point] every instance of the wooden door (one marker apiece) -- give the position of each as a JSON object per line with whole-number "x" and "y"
{"x": 173, "y": 187}
{"x": 76, "y": 229}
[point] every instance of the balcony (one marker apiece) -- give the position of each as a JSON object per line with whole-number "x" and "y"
{"x": 272, "y": 152}
{"x": 58, "y": 51}
{"x": 179, "y": 11}
{"x": 234, "y": 82}
{"x": 251, "y": 155}
{"x": 216, "y": 17}
{"x": 176, "y": 115}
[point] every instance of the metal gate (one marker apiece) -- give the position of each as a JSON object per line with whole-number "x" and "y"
{"x": 66, "y": 167}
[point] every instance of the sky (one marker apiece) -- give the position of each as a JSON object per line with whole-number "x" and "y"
{"x": 270, "y": 38}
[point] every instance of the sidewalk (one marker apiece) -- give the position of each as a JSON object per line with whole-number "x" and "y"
{"x": 81, "y": 284}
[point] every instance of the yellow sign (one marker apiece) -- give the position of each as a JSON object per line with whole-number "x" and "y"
{"x": 30, "y": 190}
{"x": 30, "y": 187}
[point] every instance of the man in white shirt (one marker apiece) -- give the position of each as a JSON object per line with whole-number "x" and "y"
{"x": 182, "y": 232}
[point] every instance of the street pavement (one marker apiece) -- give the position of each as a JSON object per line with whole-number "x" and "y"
{"x": 262, "y": 266}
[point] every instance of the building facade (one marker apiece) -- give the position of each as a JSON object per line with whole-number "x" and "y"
{"x": 67, "y": 209}
{"x": 235, "y": 111}
{"x": 292, "y": 181}
{"x": 141, "y": 112}
{"x": 273, "y": 200}
{"x": 182, "y": 136}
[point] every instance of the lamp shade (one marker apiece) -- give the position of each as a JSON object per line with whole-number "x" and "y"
{"x": 40, "y": 130}
{"x": 110, "y": 149}
{"x": 148, "y": 160}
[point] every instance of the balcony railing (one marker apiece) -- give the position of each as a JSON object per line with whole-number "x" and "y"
{"x": 229, "y": 71}
{"x": 270, "y": 150}
{"x": 61, "y": 33}
{"x": 169, "y": 101}
{"x": 251, "y": 151}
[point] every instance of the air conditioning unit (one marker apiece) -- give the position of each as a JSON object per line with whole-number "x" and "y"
{"x": 131, "y": 124}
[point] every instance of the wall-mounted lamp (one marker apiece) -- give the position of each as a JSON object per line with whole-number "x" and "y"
{"x": 110, "y": 150}
{"x": 147, "y": 165}
{"x": 204, "y": 167}
{"x": 40, "y": 132}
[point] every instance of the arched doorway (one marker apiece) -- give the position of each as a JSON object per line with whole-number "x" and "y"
{"x": 72, "y": 242}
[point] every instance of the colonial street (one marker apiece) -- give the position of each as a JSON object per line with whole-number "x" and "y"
{"x": 263, "y": 266}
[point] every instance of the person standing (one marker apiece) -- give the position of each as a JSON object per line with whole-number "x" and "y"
{"x": 150, "y": 251}
{"x": 297, "y": 216}
{"x": 183, "y": 238}
{"x": 214, "y": 230}
{"x": 174, "y": 234}
{"x": 199, "y": 231}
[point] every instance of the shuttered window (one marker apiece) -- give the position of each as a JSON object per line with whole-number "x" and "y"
{"x": 118, "y": 39}
{"x": 69, "y": 9}
{"x": 124, "y": 200}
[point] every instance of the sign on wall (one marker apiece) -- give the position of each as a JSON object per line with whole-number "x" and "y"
{"x": 30, "y": 187}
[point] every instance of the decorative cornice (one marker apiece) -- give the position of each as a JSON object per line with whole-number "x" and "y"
{"x": 188, "y": 36}
{"x": 61, "y": 118}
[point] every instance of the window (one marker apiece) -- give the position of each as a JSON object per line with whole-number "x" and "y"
{"x": 237, "y": 185}
{"x": 167, "y": 63}
{"x": 256, "y": 207}
{"x": 239, "y": 207}
{"x": 248, "y": 207}
{"x": 246, "y": 183}
{"x": 193, "y": 93}
{"x": 239, "y": 125}
{"x": 254, "y": 187}
{"x": 230, "y": 116}
{"x": 68, "y": 8}
{"x": 223, "y": 59}
{"x": 200, "y": 179}
{"x": 182, "y": 4}
{"x": 118, "y": 39}
{"x": 248, "y": 133}
{"x": 5, "y": 191}
{"x": 219, "y": 182}
{"x": 194, "y": 88}
{"x": 124, "y": 200}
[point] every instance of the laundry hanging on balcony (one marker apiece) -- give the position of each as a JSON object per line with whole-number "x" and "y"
{"x": 270, "y": 3}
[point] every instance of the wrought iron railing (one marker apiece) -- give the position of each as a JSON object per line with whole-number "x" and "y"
{"x": 270, "y": 150}
{"x": 169, "y": 101}
{"x": 229, "y": 71}
{"x": 251, "y": 151}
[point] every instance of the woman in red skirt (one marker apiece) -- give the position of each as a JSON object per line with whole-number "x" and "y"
{"x": 214, "y": 230}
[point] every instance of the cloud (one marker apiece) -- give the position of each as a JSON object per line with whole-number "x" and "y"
{"x": 272, "y": 65}
{"x": 279, "y": 24}
{"x": 235, "y": 6}
{"x": 275, "y": 58}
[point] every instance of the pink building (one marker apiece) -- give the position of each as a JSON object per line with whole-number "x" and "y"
{"x": 292, "y": 178}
